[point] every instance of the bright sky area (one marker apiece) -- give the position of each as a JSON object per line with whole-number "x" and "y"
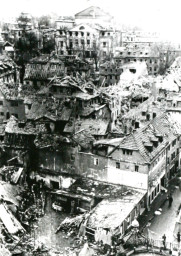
{"x": 155, "y": 15}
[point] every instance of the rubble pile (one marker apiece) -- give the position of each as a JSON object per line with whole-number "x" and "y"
{"x": 50, "y": 107}
{"x": 49, "y": 140}
{"x": 10, "y": 91}
{"x": 98, "y": 189}
{"x": 71, "y": 225}
{"x": 12, "y": 127}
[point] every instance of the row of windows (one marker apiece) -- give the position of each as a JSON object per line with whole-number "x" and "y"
{"x": 118, "y": 166}
{"x": 103, "y": 33}
{"x": 111, "y": 77}
{"x": 13, "y": 103}
{"x": 127, "y": 152}
{"x": 129, "y": 53}
{"x": 154, "y": 193}
{"x": 155, "y": 69}
{"x": 158, "y": 159}
{"x": 75, "y": 33}
{"x": 8, "y": 115}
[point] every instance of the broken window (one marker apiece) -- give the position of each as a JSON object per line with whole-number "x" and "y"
{"x": 137, "y": 125}
{"x": 148, "y": 117}
{"x": 118, "y": 165}
{"x": 14, "y": 104}
{"x": 136, "y": 168}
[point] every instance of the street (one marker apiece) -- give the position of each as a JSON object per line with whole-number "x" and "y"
{"x": 165, "y": 223}
{"x": 47, "y": 226}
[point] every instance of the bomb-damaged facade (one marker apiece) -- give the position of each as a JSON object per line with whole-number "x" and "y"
{"x": 92, "y": 134}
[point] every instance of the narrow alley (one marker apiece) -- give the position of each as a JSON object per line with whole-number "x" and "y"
{"x": 46, "y": 227}
{"x": 165, "y": 222}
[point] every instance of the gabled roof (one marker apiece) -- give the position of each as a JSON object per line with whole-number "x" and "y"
{"x": 88, "y": 12}
{"x": 84, "y": 28}
{"x": 143, "y": 137}
{"x": 129, "y": 143}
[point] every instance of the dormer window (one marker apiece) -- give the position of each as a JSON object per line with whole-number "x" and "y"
{"x": 159, "y": 136}
{"x": 154, "y": 141}
{"x": 148, "y": 146}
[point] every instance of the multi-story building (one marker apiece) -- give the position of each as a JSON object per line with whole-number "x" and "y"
{"x": 9, "y": 71}
{"x": 152, "y": 58}
{"x": 88, "y": 37}
{"x": 11, "y": 103}
{"x": 141, "y": 38}
{"x": 40, "y": 69}
{"x": 149, "y": 155}
{"x": 109, "y": 74}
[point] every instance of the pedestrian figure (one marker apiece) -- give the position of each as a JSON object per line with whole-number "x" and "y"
{"x": 170, "y": 200}
{"x": 178, "y": 237}
{"x": 164, "y": 241}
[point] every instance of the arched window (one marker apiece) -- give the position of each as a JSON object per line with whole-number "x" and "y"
{"x": 82, "y": 27}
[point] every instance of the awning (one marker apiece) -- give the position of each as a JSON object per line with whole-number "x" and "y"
{"x": 10, "y": 222}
